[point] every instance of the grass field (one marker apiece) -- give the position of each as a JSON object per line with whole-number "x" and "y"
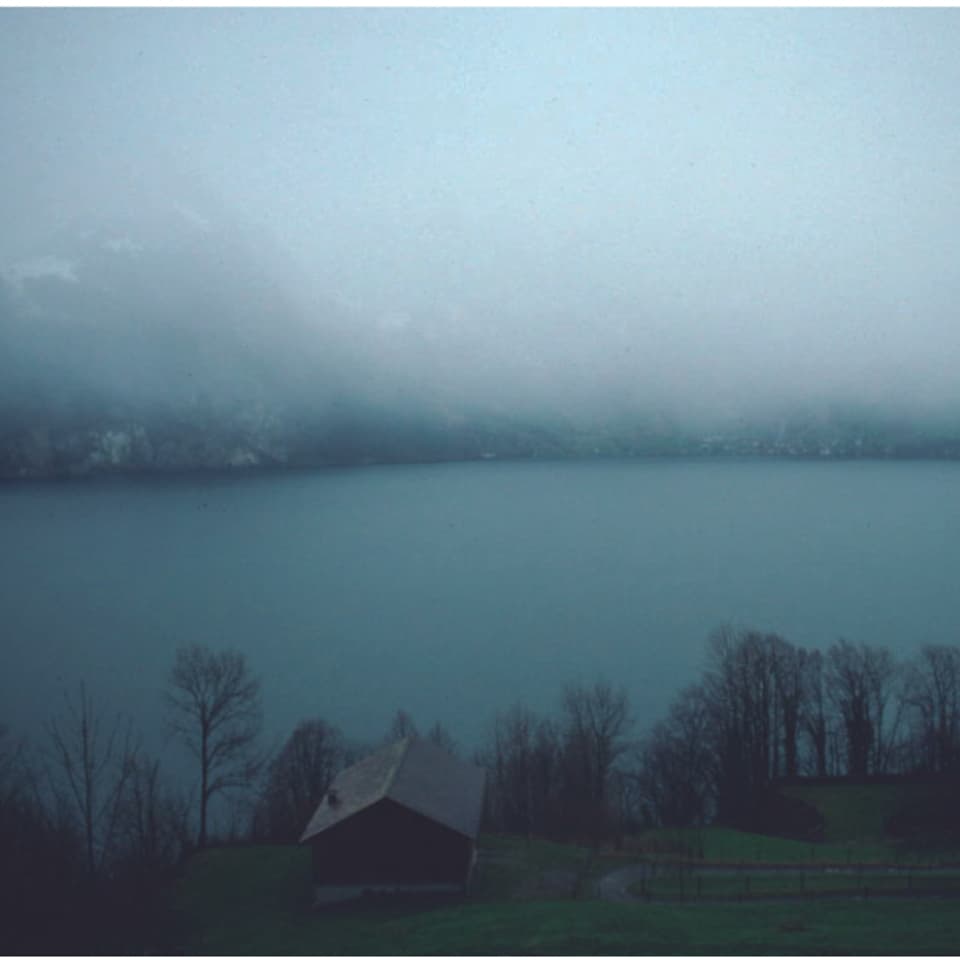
{"x": 853, "y": 817}
{"x": 254, "y": 900}
{"x": 853, "y": 813}
{"x": 515, "y": 868}
{"x": 746, "y": 884}
{"x": 723, "y": 845}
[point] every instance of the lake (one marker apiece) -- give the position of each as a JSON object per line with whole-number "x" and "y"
{"x": 455, "y": 590}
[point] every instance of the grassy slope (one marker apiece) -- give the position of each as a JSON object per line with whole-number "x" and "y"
{"x": 674, "y": 884}
{"x": 724, "y": 845}
{"x": 253, "y": 900}
{"x": 854, "y": 818}
{"x": 853, "y": 812}
{"x": 856, "y": 815}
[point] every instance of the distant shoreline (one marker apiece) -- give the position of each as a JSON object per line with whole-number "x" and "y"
{"x": 226, "y": 472}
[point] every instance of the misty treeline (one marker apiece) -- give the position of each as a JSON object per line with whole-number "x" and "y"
{"x": 90, "y": 831}
{"x": 767, "y": 709}
{"x": 93, "y": 827}
{"x": 763, "y": 711}
{"x": 201, "y": 382}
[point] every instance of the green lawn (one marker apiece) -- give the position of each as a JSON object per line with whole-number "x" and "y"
{"x": 854, "y": 812}
{"x": 686, "y": 885}
{"x": 254, "y": 900}
{"x": 724, "y": 845}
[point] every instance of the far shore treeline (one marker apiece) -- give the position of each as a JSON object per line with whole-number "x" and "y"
{"x": 92, "y": 829}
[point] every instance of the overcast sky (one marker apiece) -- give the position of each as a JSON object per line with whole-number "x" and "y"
{"x": 706, "y": 205}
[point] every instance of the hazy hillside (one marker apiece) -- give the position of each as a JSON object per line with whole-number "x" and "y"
{"x": 168, "y": 342}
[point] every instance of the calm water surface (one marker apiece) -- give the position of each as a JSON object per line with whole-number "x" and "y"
{"x": 455, "y": 590}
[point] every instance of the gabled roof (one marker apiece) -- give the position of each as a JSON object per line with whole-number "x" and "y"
{"x": 414, "y": 773}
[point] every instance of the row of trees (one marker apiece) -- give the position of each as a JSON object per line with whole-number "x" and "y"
{"x": 92, "y": 828}
{"x": 89, "y": 823}
{"x": 559, "y": 776}
{"x": 766, "y": 708}
{"x": 90, "y": 833}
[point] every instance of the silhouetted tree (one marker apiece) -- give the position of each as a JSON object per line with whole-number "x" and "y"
{"x": 594, "y": 722}
{"x": 42, "y": 861}
{"x": 297, "y": 779}
{"x": 91, "y": 765}
{"x": 546, "y": 777}
{"x": 814, "y": 715}
{"x": 789, "y": 674}
{"x": 401, "y": 726}
{"x": 675, "y": 771}
{"x": 740, "y": 691}
{"x": 860, "y": 682}
{"x": 153, "y": 819}
{"x": 214, "y": 708}
{"x": 9, "y": 757}
{"x": 442, "y": 737}
{"x": 932, "y": 698}
{"x": 507, "y": 758}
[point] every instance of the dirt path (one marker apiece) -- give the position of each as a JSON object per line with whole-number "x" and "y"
{"x": 615, "y": 886}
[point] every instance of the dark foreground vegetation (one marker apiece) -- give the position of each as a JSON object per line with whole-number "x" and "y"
{"x": 737, "y": 748}
{"x": 779, "y": 757}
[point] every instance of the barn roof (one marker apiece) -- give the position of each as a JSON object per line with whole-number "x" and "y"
{"x": 414, "y": 773}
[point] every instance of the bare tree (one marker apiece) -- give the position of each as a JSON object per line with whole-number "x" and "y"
{"x": 932, "y": 697}
{"x": 595, "y": 720}
{"x": 815, "y": 716}
{"x": 153, "y": 821}
{"x": 546, "y": 777}
{"x": 860, "y": 684}
{"x": 297, "y": 779}
{"x": 789, "y": 672}
{"x": 523, "y": 760}
{"x": 91, "y": 767}
{"x": 401, "y": 726}
{"x": 9, "y": 756}
{"x": 214, "y": 708}
{"x": 741, "y": 691}
{"x": 508, "y": 759}
{"x": 442, "y": 737}
{"x": 43, "y": 873}
{"x": 675, "y": 773}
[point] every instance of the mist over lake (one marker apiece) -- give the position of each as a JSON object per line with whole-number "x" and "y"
{"x": 454, "y": 590}
{"x": 268, "y": 237}
{"x": 567, "y": 398}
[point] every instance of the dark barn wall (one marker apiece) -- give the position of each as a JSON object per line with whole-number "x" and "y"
{"x": 387, "y": 843}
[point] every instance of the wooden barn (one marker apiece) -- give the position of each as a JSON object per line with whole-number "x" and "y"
{"x": 403, "y": 819}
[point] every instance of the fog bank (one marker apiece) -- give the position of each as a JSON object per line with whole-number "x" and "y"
{"x": 691, "y": 217}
